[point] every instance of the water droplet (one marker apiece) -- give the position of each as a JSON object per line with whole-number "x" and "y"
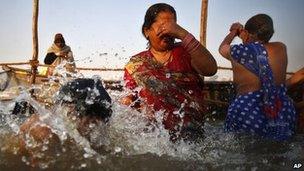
{"x": 86, "y": 155}
{"x": 190, "y": 91}
{"x": 117, "y": 149}
{"x": 44, "y": 148}
{"x": 92, "y": 125}
{"x": 83, "y": 165}
{"x": 23, "y": 159}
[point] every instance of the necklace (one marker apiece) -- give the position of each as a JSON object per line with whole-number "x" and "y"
{"x": 168, "y": 60}
{"x": 162, "y": 57}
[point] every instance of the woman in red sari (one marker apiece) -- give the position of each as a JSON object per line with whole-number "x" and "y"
{"x": 168, "y": 73}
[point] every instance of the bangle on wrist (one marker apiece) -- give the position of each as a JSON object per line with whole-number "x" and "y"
{"x": 190, "y": 43}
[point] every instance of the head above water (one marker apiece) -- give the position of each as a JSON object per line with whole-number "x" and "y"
{"x": 155, "y": 17}
{"x": 260, "y": 27}
{"x": 88, "y": 97}
{"x": 59, "y": 40}
{"x": 152, "y": 13}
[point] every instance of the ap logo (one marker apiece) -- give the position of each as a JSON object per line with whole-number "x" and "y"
{"x": 297, "y": 166}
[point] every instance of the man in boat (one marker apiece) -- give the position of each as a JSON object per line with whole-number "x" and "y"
{"x": 296, "y": 84}
{"x": 82, "y": 106}
{"x": 259, "y": 71}
{"x": 58, "y": 53}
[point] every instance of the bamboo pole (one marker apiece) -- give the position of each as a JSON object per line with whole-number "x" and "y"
{"x": 34, "y": 62}
{"x": 14, "y": 63}
{"x": 224, "y": 68}
{"x": 204, "y": 14}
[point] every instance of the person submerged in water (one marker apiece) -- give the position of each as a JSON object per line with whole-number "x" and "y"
{"x": 58, "y": 53}
{"x": 85, "y": 102}
{"x": 168, "y": 73}
{"x": 259, "y": 71}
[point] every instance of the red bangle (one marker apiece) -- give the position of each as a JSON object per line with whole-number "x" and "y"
{"x": 190, "y": 43}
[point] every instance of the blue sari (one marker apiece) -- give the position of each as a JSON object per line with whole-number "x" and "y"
{"x": 267, "y": 112}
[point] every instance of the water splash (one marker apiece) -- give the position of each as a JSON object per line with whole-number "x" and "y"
{"x": 129, "y": 138}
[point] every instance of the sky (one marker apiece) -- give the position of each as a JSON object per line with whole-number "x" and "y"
{"x": 106, "y": 33}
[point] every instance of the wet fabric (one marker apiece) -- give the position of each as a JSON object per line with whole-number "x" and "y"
{"x": 268, "y": 112}
{"x": 175, "y": 87}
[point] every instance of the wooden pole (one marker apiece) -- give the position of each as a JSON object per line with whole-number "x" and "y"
{"x": 204, "y": 14}
{"x": 34, "y": 62}
{"x": 14, "y": 63}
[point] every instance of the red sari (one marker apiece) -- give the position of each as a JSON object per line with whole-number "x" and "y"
{"x": 175, "y": 87}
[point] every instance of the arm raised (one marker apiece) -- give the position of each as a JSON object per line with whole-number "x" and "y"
{"x": 224, "y": 48}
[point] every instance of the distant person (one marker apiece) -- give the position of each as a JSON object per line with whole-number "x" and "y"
{"x": 168, "y": 73}
{"x": 261, "y": 106}
{"x": 296, "y": 83}
{"x": 58, "y": 53}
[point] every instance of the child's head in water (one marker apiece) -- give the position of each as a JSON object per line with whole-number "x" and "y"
{"x": 86, "y": 98}
{"x": 257, "y": 28}
{"x": 87, "y": 102}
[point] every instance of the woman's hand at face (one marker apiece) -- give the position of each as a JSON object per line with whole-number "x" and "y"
{"x": 172, "y": 29}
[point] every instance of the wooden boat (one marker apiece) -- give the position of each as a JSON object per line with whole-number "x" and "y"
{"x": 19, "y": 76}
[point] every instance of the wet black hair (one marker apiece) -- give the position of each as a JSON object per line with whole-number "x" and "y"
{"x": 152, "y": 13}
{"x": 260, "y": 25}
{"x": 89, "y": 97}
{"x": 23, "y": 107}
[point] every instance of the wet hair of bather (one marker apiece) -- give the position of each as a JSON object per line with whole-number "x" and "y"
{"x": 88, "y": 97}
{"x": 84, "y": 96}
{"x": 87, "y": 104}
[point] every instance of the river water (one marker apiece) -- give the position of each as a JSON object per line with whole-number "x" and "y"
{"x": 129, "y": 143}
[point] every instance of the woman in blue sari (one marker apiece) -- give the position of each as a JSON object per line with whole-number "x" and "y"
{"x": 261, "y": 106}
